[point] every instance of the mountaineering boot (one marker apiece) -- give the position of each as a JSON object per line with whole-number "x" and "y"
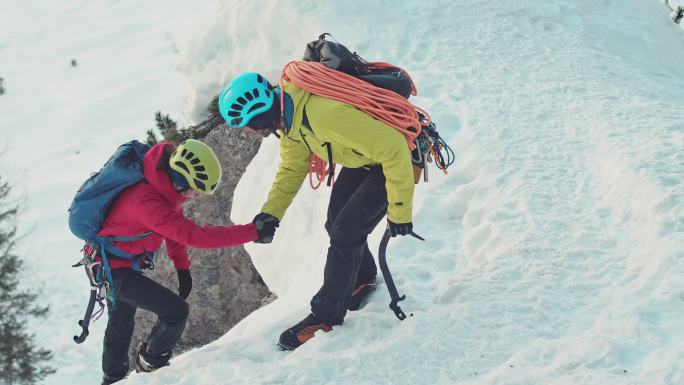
{"x": 146, "y": 363}
{"x": 107, "y": 380}
{"x": 361, "y": 293}
{"x": 295, "y": 336}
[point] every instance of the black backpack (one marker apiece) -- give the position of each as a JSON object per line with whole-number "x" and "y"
{"x": 336, "y": 56}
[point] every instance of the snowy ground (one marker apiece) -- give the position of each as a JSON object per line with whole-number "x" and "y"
{"x": 554, "y": 251}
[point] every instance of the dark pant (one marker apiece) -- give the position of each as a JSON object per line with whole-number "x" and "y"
{"x": 357, "y": 204}
{"x": 135, "y": 290}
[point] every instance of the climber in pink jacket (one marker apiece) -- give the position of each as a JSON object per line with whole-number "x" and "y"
{"x": 154, "y": 205}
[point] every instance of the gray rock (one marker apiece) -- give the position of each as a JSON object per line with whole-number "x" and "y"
{"x": 226, "y": 286}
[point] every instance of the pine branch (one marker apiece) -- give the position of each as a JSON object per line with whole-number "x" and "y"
{"x": 168, "y": 128}
{"x": 213, "y": 107}
{"x": 151, "y": 138}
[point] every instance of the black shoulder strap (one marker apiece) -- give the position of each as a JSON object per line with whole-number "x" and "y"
{"x": 331, "y": 166}
{"x": 305, "y": 120}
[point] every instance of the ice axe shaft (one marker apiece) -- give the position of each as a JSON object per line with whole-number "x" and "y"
{"x": 389, "y": 281}
{"x": 86, "y": 318}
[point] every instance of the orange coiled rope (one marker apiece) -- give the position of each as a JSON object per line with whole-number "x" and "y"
{"x": 320, "y": 169}
{"x": 384, "y": 105}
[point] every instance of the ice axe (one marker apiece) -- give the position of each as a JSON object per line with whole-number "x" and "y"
{"x": 89, "y": 264}
{"x": 391, "y": 287}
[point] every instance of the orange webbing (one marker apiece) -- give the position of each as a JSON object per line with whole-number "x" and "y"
{"x": 384, "y": 105}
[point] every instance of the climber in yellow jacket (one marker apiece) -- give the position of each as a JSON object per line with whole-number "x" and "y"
{"x": 376, "y": 179}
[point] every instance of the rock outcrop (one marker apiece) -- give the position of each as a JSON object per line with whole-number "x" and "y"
{"x": 226, "y": 286}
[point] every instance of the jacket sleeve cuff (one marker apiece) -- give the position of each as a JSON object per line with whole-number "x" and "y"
{"x": 254, "y": 232}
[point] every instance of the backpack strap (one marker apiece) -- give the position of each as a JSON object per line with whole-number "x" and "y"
{"x": 130, "y": 238}
{"x": 122, "y": 254}
{"x": 305, "y": 120}
{"x": 111, "y": 288}
{"x": 331, "y": 168}
{"x": 106, "y": 244}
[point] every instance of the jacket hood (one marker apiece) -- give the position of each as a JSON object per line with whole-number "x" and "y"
{"x": 156, "y": 175}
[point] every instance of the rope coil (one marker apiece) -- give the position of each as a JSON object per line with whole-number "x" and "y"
{"x": 382, "y": 104}
{"x": 319, "y": 168}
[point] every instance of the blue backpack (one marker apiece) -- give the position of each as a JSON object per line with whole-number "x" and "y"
{"x": 92, "y": 203}
{"x": 97, "y": 194}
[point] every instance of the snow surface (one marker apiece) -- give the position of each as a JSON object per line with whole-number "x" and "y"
{"x": 554, "y": 246}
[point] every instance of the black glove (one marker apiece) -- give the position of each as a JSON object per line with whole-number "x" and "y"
{"x": 266, "y": 226}
{"x": 184, "y": 283}
{"x": 399, "y": 228}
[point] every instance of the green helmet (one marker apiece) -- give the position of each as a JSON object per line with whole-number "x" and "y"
{"x": 198, "y": 164}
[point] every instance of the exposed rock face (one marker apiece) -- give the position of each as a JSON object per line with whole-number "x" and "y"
{"x": 226, "y": 286}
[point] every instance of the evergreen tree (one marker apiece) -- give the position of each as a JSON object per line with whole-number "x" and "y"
{"x": 21, "y": 362}
{"x": 213, "y": 107}
{"x": 168, "y": 128}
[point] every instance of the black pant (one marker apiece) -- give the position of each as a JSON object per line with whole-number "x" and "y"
{"x": 135, "y": 290}
{"x": 357, "y": 204}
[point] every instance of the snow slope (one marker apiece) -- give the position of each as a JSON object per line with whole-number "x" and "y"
{"x": 554, "y": 245}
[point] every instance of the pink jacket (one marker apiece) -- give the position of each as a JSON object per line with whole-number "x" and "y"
{"x": 154, "y": 205}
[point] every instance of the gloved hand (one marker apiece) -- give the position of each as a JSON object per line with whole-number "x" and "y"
{"x": 184, "y": 283}
{"x": 399, "y": 228}
{"x": 266, "y": 226}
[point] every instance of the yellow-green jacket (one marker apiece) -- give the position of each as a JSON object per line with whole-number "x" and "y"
{"x": 356, "y": 140}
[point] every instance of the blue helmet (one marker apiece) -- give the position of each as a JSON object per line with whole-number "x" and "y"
{"x": 245, "y": 97}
